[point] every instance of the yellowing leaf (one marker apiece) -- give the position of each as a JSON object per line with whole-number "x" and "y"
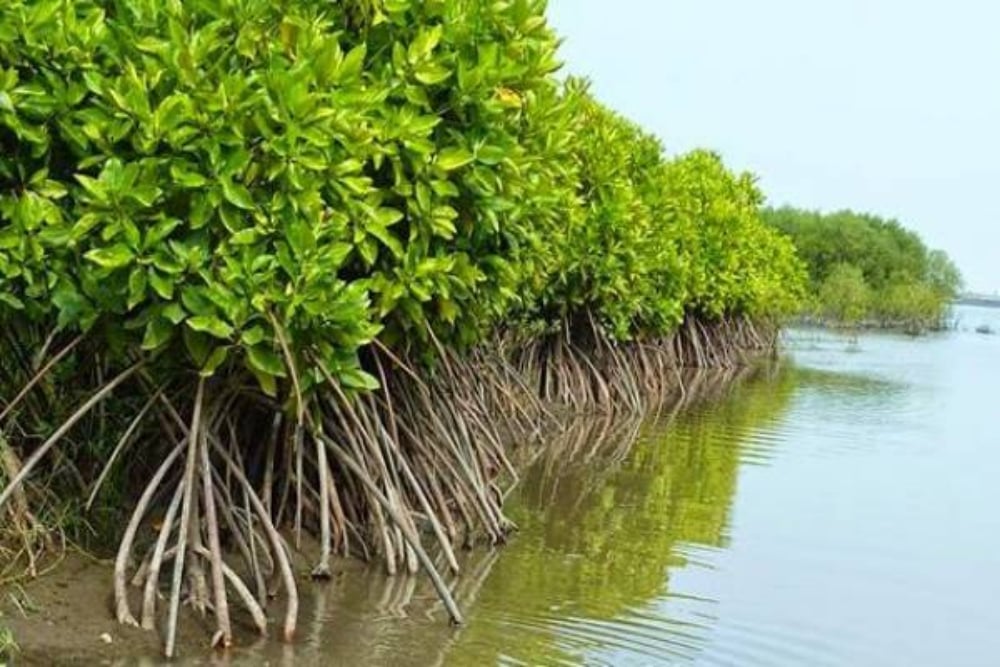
{"x": 431, "y": 74}
{"x": 453, "y": 158}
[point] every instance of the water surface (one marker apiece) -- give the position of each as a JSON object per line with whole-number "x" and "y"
{"x": 839, "y": 510}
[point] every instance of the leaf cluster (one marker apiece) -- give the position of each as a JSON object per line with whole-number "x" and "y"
{"x": 863, "y": 267}
{"x": 274, "y": 185}
{"x": 651, "y": 239}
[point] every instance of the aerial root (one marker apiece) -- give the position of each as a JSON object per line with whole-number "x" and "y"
{"x": 581, "y": 368}
{"x": 416, "y": 469}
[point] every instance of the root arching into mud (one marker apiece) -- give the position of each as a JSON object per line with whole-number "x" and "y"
{"x": 409, "y": 474}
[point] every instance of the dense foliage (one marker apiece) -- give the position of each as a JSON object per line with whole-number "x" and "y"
{"x": 649, "y": 240}
{"x": 209, "y": 173}
{"x": 354, "y": 208}
{"x": 863, "y": 268}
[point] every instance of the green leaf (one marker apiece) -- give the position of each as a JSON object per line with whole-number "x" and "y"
{"x": 198, "y": 345}
{"x": 237, "y": 195}
{"x": 267, "y": 382}
{"x": 387, "y": 217}
{"x": 145, "y": 194}
{"x": 84, "y": 224}
{"x": 358, "y": 379}
{"x": 443, "y": 222}
{"x": 166, "y": 261}
{"x": 431, "y": 74}
{"x": 215, "y": 359}
{"x": 111, "y": 257}
{"x": 350, "y": 69}
{"x": 162, "y": 285}
{"x": 71, "y": 304}
{"x": 210, "y": 325}
{"x": 424, "y": 44}
{"x": 174, "y": 313}
{"x": 387, "y": 238}
{"x": 196, "y": 301}
{"x": 187, "y": 178}
{"x": 95, "y": 188}
{"x": 136, "y": 287}
{"x": 160, "y": 231}
{"x": 11, "y": 301}
{"x": 453, "y": 158}
{"x": 300, "y": 237}
{"x": 348, "y": 167}
{"x": 491, "y": 155}
{"x": 253, "y": 335}
{"x": 244, "y": 237}
{"x": 368, "y": 250}
{"x": 158, "y": 332}
{"x": 265, "y": 360}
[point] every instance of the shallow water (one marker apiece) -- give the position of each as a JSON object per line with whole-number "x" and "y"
{"x": 840, "y": 510}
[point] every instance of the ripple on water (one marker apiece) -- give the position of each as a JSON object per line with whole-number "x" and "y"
{"x": 747, "y": 644}
{"x": 808, "y": 518}
{"x": 633, "y": 635}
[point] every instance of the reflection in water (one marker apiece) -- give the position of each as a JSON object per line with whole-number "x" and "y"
{"x": 600, "y": 533}
{"x": 605, "y": 512}
{"x": 839, "y": 510}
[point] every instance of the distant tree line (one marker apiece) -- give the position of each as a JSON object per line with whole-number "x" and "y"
{"x": 866, "y": 270}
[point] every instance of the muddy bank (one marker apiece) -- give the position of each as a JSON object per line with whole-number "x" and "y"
{"x": 65, "y": 618}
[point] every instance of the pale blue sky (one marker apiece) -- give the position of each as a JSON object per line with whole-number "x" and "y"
{"x": 888, "y": 106}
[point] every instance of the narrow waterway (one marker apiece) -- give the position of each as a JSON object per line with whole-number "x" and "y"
{"x": 841, "y": 508}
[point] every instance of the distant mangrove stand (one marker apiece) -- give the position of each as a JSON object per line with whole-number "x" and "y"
{"x": 868, "y": 272}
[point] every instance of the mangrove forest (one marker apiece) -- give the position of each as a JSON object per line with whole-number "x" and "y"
{"x": 284, "y": 284}
{"x": 864, "y": 269}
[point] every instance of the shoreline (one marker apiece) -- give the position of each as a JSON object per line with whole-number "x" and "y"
{"x": 66, "y": 598}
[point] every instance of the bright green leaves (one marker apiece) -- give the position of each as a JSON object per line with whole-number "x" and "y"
{"x": 137, "y": 282}
{"x": 378, "y": 225}
{"x": 186, "y": 177}
{"x": 423, "y": 45}
{"x": 121, "y": 187}
{"x": 651, "y": 240}
{"x": 431, "y": 74}
{"x": 864, "y": 267}
{"x": 111, "y": 257}
{"x": 213, "y": 361}
{"x": 421, "y": 60}
{"x": 237, "y": 195}
{"x": 453, "y": 158}
{"x": 197, "y": 183}
{"x": 355, "y": 378}
{"x": 210, "y": 325}
{"x": 161, "y": 284}
{"x": 266, "y": 366}
{"x": 350, "y": 68}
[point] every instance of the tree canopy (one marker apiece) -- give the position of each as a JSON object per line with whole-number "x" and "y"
{"x": 863, "y": 267}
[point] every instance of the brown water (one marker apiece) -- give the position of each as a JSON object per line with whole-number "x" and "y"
{"x": 840, "y": 510}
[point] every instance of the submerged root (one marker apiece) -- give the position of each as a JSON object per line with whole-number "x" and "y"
{"x": 583, "y": 369}
{"x": 409, "y": 473}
